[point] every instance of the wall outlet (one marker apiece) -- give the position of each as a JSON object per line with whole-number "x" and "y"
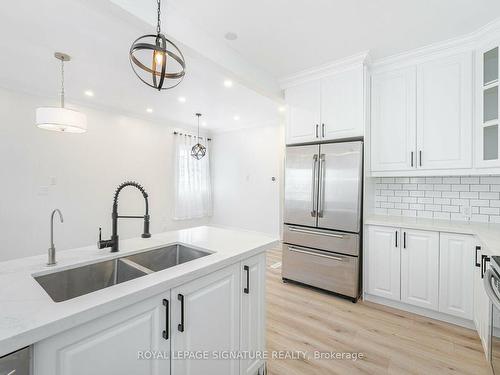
{"x": 466, "y": 211}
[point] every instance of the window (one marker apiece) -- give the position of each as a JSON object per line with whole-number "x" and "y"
{"x": 193, "y": 187}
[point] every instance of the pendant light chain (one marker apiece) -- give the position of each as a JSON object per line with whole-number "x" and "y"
{"x": 62, "y": 83}
{"x": 158, "y": 25}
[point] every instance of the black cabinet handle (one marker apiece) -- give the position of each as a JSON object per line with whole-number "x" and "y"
{"x": 420, "y": 157}
{"x": 317, "y": 127}
{"x": 475, "y": 258}
{"x": 165, "y": 332}
{"x": 396, "y": 238}
{"x": 323, "y": 130}
{"x": 412, "y": 158}
{"x": 484, "y": 259}
{"x": 180, "y": 327}
{"x": 404, "y": 240}
{"x": 247, "y": 289}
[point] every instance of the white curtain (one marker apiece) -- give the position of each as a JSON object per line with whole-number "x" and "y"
{"x": 193, "y": 187}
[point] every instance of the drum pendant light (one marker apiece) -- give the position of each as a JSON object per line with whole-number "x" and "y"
{"x": 157, "y": 61}
{"x": 60, "y": 118}
{"x": 198, "y": 151}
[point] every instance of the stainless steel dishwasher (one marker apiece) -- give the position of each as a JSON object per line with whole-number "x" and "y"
{"x": 17, "y": 363}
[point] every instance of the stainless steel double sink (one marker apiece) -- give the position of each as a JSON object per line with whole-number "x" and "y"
{"x": 74, "y": 282}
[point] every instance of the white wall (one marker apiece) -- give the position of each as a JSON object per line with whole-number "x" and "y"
{"x": 243, "y": 164}
{"x": 86, "y": 169}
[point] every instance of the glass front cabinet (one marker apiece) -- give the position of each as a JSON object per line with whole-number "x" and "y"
{"x": 487, "y": 109}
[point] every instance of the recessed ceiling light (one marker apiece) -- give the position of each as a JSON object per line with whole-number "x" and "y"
{"x": 181, "y": 99}
{"x": 89, "y": 93}
{"x": 228, "y": 83}
{"x": 149, "y": 110}
{"x": 281, "y": 108}
{"x": 231, "y": 36}
{"x": 204, "y": 123}
{"x": 236, "y": 118}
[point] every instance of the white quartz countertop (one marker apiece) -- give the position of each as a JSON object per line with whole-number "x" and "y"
{"x": 28, "y": 314}
{"x": 487, "y": 234}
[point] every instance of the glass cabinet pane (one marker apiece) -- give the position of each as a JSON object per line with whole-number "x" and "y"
{"x": 490, "y": 142}
{"x": 490, "y": 110}
{"x": 490, "y": 61}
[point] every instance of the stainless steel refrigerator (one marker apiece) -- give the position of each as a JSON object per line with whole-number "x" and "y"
{"x": 322, "y": 218}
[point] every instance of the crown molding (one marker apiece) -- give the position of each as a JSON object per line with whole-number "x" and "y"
{"x": 467, "y": 41}
{"x": 337, "y": 66}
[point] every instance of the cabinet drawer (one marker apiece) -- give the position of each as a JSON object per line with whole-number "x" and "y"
{"x": 334, "y": 272}
{"x": 337, "y": 242}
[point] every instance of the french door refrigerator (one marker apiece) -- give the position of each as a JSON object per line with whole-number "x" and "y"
{"x": 322, "y": 216}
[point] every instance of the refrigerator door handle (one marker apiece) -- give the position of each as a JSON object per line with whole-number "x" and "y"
{"x": 300, "y": 230}
{"x": 321, "y": 182}
{"x": 314, "y": 179}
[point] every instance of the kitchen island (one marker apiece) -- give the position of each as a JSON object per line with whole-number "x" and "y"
{"x": 215, "y": 302}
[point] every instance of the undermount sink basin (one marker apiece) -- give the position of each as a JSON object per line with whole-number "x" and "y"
{"x": 68, "y": 284}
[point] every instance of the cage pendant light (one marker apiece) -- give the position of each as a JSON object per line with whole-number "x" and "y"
{"x": 60, "y": 118}
{"x": 198, "y": 151}
{"x": 156, "y": 60}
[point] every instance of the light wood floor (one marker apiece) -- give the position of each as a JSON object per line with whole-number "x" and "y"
{"x": 392, "y": 341}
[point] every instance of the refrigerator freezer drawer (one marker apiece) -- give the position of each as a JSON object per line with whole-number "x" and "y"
{"x": 337, "y": 242}
{"x": 334, "y": 272}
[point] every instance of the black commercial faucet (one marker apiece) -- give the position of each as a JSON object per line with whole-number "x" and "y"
{"x": 113, "y": 242}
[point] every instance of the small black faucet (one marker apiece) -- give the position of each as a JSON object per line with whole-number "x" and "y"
{"x": 113, "y": 242}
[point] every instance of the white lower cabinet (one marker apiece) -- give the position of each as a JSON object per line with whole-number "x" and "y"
{"x": 253, "y": 324}
{"x": 206, "y": 317}
{"x": 481, "y": 305}
{"x": 213, "y": 316}
{"x": 420, "y": 268}
{"x": 426, "y": 269}
{"x": 456, "y": 277}
{"x": 383, "y": 260}
{"x": 110, "y": 345}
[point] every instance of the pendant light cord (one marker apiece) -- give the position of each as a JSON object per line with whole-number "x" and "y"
{"x": 62, "y": 83}
{"x": 198, "y": 115}
{"x": 158, "y": 25}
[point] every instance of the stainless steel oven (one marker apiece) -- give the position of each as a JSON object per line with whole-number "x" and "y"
{"x": 492, "y": 287}
{"x": 17, "y": 363}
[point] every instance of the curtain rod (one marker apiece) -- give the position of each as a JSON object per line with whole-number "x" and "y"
{"x": 189, "y": 135}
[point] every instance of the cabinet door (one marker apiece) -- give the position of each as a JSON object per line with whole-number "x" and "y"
{"x": 253, "y": 325}
{"x": 303, "y": 112}
{"x": 420, "y": 268}
{"x": 482, "y": 309}
{"x": 444, "y": 112}
{"x": 342, "y": 105}
{"x": 110, "y": 345}
{"x": 393, "y": 120}
{"x": 383, "y": 262}
{"x": 487, "y": 106}
{"x": 456, "y": 272}
{"x": 206, "y": 318}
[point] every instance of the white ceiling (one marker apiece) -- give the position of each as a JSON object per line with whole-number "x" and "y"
{"x": 97, "y": 34}
{"x": 286, "y": 36}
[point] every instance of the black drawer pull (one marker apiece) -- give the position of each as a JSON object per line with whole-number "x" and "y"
{"x": 404, "y": 240}
{"x": 180, "y": 327}
{"x": 165, "y": 332}
{"x": 247, "y": 289}
{"x": 475, "y": 258}
{"x": 484, "y": 259}
{"x": 396, "y": 238}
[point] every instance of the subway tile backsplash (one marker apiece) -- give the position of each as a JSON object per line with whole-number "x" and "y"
{"x": 452, "y": 198}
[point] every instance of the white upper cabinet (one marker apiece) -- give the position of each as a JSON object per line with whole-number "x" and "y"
{"x": 393, "y": 120}
{"x": 487, "y": 121}
{"x": 421, "y": 116}
{"x": 327, "y": 108}
{"x": 444, "y": 112}
{"x": 456, "y": 277}
{"x": 303, "y": 113}
{"x": 420, "y": 268}
{"x": 342, "y": 101}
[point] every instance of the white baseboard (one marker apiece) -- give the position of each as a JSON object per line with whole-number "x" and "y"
{"x": 420, "y": 311}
